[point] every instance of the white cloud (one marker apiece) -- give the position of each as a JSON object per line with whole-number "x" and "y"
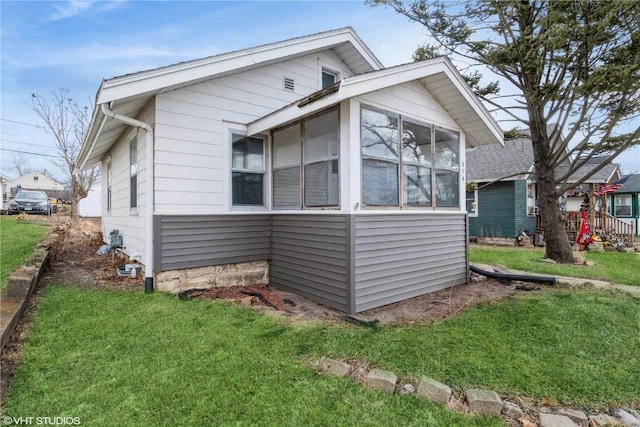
{"x": 74, "y": 7}
{"x": 69, "y": 9}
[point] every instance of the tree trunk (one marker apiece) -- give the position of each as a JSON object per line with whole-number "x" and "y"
{"x": 555, "y": 236}
{"x": 74, "y": 208}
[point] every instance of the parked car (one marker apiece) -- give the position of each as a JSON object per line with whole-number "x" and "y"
{"x": 30, "y": 202}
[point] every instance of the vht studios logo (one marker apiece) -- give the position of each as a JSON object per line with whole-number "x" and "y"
{"x": 39, "y": 421}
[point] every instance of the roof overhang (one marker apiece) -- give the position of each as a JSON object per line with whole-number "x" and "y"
{"x": 129, "y": 94}
{"x": 438, "y": 76}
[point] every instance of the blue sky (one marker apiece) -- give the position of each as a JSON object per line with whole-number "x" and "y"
{"x": 75, "y": 44}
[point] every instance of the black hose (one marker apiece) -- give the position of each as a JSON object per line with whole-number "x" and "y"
{"x": 518, "y": 277}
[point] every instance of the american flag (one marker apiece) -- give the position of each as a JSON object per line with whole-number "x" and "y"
{"x": 606, "y": 189}
{"x": 610, "y": 188}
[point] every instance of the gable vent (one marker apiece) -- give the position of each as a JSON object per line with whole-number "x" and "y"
{"x": 289, "y": 83}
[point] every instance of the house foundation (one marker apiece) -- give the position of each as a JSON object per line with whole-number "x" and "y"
{"x": 239, "y": 274}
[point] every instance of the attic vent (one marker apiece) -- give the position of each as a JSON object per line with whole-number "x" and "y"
{"x": 289, "y": 84}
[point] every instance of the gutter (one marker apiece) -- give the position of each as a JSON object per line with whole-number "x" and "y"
{"x": 148, "y": 271}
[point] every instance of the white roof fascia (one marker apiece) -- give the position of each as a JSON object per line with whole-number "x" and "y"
{"x": 376, "y": 80}
{"x": 182, "y": 73}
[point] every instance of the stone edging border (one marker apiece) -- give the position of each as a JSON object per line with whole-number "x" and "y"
{"x": 475, "y": 401}
{"x": 23, "y": 280}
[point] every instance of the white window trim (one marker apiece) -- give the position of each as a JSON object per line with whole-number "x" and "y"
{"x": 329, "y": 68}
{"x": 476, "y": 202}
{"x": 239, "y": 129}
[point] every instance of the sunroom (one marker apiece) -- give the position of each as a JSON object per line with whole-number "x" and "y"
{"x": 363, "y": 184}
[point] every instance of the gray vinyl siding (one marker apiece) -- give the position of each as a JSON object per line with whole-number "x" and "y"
{"x": 309, "y": 256}
{"x": 188, "y": 241}
{"x": 403, "y": 256}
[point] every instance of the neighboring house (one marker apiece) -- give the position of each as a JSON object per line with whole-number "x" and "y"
{"x": 91, "y": 206}
{"x": 4, "y": 187}
{"x": 626, "y": 201}
{"x": 303, "y": 161}
{"x": 506, "y": 198}
{"x": 35, "y": 181}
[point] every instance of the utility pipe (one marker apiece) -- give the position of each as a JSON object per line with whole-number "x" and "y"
{"x": 148, "y": 271}
{"x": 519, "y": 277}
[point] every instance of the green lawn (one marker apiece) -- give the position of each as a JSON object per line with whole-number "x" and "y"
{"x": 126, "y": 358}
{"x": 619, "y": 267}
{"x": 18, "y": 239}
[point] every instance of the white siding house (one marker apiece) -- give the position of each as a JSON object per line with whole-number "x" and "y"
{"x": 34, "y": 181}
{"x": 91, "y": 206}
{"x": 303, "y": 162}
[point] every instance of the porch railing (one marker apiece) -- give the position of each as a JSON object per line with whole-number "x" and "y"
{"x": 611, "y": 226}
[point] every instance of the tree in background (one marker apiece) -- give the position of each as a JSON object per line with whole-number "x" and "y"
{"x": 67, "y": 123}
{"x": 571, "y": 71}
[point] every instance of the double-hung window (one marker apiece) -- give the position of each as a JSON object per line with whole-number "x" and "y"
{"x": 622, "y": 204}
{"x": 407, "y": 163}
{"x": 109, "y": 179}
{"x": 247, "y": 171}
{"x": 133, "y": 174}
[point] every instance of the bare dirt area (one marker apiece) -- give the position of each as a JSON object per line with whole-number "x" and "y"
{"x": 78, "y": 263}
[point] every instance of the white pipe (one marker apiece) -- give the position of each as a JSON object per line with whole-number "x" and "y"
{"x": 148, "y": 270}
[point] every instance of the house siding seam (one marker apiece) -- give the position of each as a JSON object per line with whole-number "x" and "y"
{"x": 309, "y": 256}
{"x": 403, "y": 256}
{"x": 189, "y": 241}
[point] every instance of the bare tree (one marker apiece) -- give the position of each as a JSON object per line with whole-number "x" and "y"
{"x": 67, "y": 123}
{"x": 22, "y": 167}
{"x": 571, "y": 71}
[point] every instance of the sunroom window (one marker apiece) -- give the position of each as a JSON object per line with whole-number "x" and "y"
{"x": 305, "y": 163}
{"x": 286, "y": 167}
{"x": 414, "y": 174}
{"x": 447, "y": 168}
{"x": 321, "y": 152}
{"x": 247, "y": 171}
{"x": 416, "y": 167}
{"x": 379, "y": 158}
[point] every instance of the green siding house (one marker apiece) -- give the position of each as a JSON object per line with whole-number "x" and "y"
{"x": 626, "y": 202}
{"x": 504, "y": 200}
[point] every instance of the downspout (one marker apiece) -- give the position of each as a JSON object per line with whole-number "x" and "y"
{"x": 148, "y": 271}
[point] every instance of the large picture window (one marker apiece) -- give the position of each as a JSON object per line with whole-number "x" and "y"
{"x": 247, "y": 171}
{"x": 306, "y": 163}
{"x": 133, "y": 174}
{"x": 425, "y": 172}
